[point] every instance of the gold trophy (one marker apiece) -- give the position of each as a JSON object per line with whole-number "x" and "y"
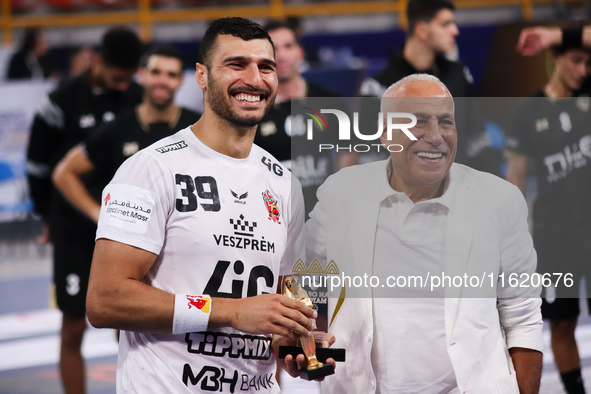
{"x": 314, "y": 369}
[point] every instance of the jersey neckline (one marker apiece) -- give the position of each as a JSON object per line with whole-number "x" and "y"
{"x": 215, "y": 154}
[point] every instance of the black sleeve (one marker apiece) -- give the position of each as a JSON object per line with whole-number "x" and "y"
{"x": 517, "y": 137}
{"x": 44, "y": 141}
{"x": 18, "y": 69}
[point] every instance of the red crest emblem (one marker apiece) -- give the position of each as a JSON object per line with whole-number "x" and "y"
{"x": 107, "y": 198}
{"x": 272, "y": 207}
{"x": 199, "y": 302}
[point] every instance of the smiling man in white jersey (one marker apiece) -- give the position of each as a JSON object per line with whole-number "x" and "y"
{"x": 195, "y": 230}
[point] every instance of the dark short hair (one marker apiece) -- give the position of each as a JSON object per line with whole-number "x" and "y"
{"x": 275, "y": 24}
{"x": 121, "y": 48}
{"x": 161, "y": 50}
{"x": 425, "y": 11}
{"x": 567, "y": 44}
{"x": 233, "y": 26}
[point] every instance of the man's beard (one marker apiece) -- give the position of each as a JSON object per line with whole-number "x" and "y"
{"x": 218, "y": 102}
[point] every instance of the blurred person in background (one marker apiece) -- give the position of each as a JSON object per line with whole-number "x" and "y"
{"x": 158, "y": 116}
{"x": 31, "y": 61}
{"x": 63, "y": 119}
{"x": 281, "y": 132}
{"x": 432, "y": 33}
{"x": 551, "y": 132}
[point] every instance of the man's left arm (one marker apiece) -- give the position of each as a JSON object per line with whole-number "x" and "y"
{"x": 519, "y": 307}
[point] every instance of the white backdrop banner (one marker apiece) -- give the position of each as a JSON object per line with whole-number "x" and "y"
{"x": 18, "y": 101}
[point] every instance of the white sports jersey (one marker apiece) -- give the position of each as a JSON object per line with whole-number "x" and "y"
{"x": 220, "y": 226}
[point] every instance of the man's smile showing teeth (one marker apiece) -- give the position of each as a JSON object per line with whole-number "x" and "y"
{"x": 247, "y": 97}
{"x": 429, "y": 155}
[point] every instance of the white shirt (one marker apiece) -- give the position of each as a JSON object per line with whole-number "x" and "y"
{"x": 410, "y": 241}
{"x": 487, "y": 231}
{"x": 220, "y": 226}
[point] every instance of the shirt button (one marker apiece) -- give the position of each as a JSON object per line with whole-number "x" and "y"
{"x": 368, "y": 337}
{"x": 372, "y": 385}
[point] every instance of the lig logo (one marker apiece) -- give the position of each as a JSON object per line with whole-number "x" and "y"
{"x": 344, "y": 133}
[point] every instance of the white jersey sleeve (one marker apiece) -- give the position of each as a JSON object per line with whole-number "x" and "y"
{"x": 136, "y": 204}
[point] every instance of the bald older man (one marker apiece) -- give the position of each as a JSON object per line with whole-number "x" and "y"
{"x": 419, "y": 214}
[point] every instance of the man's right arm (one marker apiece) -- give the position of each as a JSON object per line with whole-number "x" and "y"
{"x": 534, "y": 40}
{"x": 67, "y": 178}
{"x": 119, "y": 298}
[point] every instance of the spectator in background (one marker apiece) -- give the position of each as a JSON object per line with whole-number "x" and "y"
{"x": 534, "y": 40}
{"x": 281, "y": 132}
{"x": 31, "y": 61}
{"x": 64, "y": 118}
{"x": 551, "y": 131}
{"x": 431, "y": 33}
{"x": 161, "y": 75}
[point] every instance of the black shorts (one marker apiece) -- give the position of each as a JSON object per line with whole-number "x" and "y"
{"x": 562, "y": 308}
{"x": 565, "y": 257}
{"x": 71, "y": 269}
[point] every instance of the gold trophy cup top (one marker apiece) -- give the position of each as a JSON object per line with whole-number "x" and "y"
{"x": 292, "y": 289}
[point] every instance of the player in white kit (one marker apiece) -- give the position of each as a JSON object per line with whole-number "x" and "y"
{"x": 195, "y": 230}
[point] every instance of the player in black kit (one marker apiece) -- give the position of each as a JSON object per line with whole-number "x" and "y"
{"x": 64, "y": 118}
{"x": 552, "y": 131}
{"x": 431, "y": 33}
{"x": 283, "y": 132}
{"x": 161, "y": 75}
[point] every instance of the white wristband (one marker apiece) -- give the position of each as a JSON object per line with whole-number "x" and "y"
{"x": 191, "y": 313}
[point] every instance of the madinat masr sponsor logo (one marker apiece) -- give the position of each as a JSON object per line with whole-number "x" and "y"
{"x": 126, "y": 209}
{"x": 392, "y": 123}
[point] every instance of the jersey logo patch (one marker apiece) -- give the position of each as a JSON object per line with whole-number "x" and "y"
{"x": 199, "y": 302}
{"x": 268, "y": 128}
{"x": 87, "y": 121}
{"x": 542, "y": 124}
{"x": 245, "y": 227}
{"x": 130, "y": 148}
{"x": 238, "y": 198}
{"x": 272, "y": 207}
{"x": 127, "y": 207}
{"x": 171, "y": 147}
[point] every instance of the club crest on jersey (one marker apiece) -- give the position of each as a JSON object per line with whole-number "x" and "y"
{"x": 199, "y": 302}
{"x": 272, "y": 207}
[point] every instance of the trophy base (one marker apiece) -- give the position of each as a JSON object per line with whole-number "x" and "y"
{"x": 317, "y": 373}
{"x": 322, "y": 353}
